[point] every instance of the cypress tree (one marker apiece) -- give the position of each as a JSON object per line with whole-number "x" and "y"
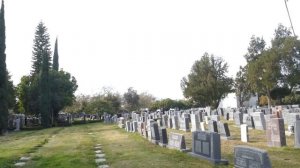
{"x": 55, "y": 57}
{"x": 45, "y": 99}
{"x": 3, "y": 76}
{"x": 41, "y": 47}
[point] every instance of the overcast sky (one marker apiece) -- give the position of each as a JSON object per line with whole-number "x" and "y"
{"x": 147, "y": 45}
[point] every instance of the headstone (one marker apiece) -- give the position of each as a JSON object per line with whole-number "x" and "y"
{"x": 224, "y": 130}
{"x": 202, "y": 126}
{"x": 177, "y": 141}
{"x": 207, "y": 145}
{"x": 154, "y": 133}
{"x": 170, "y": 124}
{"x": 131, "y": 127}
{"x": 297, "y": 134}
{"x": 238, "y": 118}
{"x": 259, "y": 120}
{"x": 127, "y": 128}
{"x": 249, "y": 122}
{"x": 231, "y": 115}
{"x": 212, "y": 126}
{"x": 184, "y": 124}
{"x": 244, "y": 133}
{"x": 206, "y": 119}
{"x": 275, "y": 132}
{"x": 165, "y": 121}
{"x": 290, "y": 118}
{"x": 195, "y": 122}
{"x": 201, "y": 116}
{"x": 163, "y": 140}
{"x": 148, "y": 127}
{"x": 175, "y": 122}
{"x": 227, "y": 116}
{"x": 17, "y": 121}
{"x": 250, "y": 157}
{"x": 134, "y": 126}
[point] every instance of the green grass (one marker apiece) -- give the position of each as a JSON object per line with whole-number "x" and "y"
{"x": 73, "y": 147}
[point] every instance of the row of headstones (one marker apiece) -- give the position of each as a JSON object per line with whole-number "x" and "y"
{"x": 205, "y": 145}
{"x": 255, "y": 120}
{"x": 273, "y": 124}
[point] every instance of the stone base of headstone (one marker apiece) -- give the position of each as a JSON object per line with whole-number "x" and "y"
{"x": 226, "y": 138}
{"x": 214, "y": 161}
{"x": 181, "y": 150}
{"x": 162, "y": 145}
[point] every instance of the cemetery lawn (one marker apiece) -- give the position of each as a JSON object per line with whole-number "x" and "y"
{"x": 73, "y": 147}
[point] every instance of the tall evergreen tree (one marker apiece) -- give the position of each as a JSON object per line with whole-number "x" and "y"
{"x": 55, "y": 57}
{"x": 41, "y": 48}
{"x": 41, "y": 66}
{"x": 3, "y": 76}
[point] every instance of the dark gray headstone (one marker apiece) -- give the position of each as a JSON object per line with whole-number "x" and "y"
{"x": 250, "y": 157}
{"x": 207, "y": 145}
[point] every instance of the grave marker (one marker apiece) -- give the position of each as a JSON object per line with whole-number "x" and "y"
{"x": 250, "y": 157}
{"x": 207, "y": 145}
{"x": 195, "y": 122}
{"x": 224, "y": 130}
{"x": 244, "y": 133}
{"x": 275, "y": 132}
{"x": 163, "y": 137}
{"x": 177, "y": 141}
{"x": 259, "y": 120}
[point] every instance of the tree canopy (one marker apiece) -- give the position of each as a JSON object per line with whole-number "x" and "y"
{"x": 275, "y": 68}
{"x": 131, "y": 99}
{"x": 207, "y": 82}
